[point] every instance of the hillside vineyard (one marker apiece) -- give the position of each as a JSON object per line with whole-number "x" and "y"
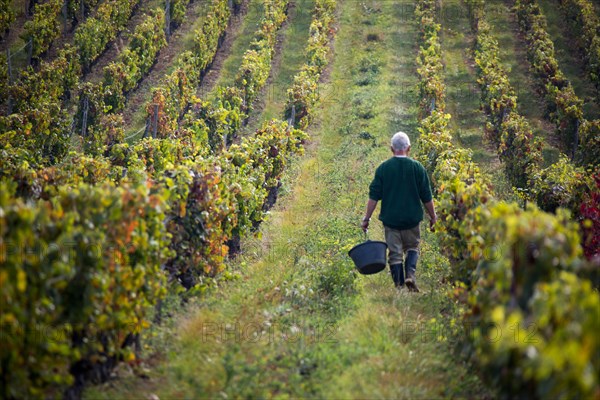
{"x": 181, "y": 182}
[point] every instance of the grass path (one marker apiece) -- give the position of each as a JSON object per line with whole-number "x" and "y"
{"x": 568, "y": 57}
{"x": 464, "y": 97}
{"x": 514, "y": 57}
{"x": 241, "y": 43}
{"x": 288, "y": 59}
{"x": 299, "y": 322}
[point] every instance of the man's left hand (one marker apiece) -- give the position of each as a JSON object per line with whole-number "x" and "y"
{"x": 432, "y": 222}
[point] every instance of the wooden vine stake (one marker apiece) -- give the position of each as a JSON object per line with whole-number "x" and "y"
{"x": 9, "y": 70}
{"x": 292, "y": 120}
{"x": 30, "y": 51}
{"x": 576, "y": 139}
{"x": 155, "y": 121}
{"x": 168, "y": 19}
{"x": 84, "y": 117}
{"x": 65, "y": 11}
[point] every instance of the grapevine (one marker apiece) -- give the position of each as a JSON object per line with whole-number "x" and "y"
{"x": 7, "y": 16}
{"x": 519, "y": 286}
{"x": 160, "y": 203}
{"x": 563, "y": 105}
{"x": 44, "y": 28}
{"x": 517, "y": 147}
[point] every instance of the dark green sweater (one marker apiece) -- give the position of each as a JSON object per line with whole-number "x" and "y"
{"x": 401, "y": 184}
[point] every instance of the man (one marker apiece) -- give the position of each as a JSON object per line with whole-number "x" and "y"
{"x": 401, "y": 184}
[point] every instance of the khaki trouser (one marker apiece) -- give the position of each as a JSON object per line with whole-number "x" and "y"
{"x": 400, "y": 241}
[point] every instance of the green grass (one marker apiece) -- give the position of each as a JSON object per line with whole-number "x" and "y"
{"x": 463, "y": 95}
{"x": 292, "y": 56}
{"x": 322, "y": 331}
{"x": 569, "y": 60}
{"x": 514, "y": 57}
{"x": 241, "y": 44}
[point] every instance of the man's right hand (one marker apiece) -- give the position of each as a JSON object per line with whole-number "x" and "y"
{"x": 432, "y": 215}
{"x": 364, "y": 225}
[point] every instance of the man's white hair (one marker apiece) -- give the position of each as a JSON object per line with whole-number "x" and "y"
{"x": 400, "y": 141}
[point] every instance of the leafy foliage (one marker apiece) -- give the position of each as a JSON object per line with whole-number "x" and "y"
{"x": 256, "y": 62}
{"x": 224, "y": 114}
{"x": 39, "y": 124}
{"x": 7, "y": 16}
{"x": 82, "y": 270}
{"x": 459, "y": 185}
{"x": 45, "y": 26}
{"x": 95, "y": 33}
{"x": 39, "y": 121}
{"x": 589, "y": 139}
{"x": 177, "y": 12}
{"x": 133, "y": 63}
{"x": 590, "y": 213}
{"x": 517, "y": 147}
{"x": 74, "y": 8}
{"x": 176, "y": 91}
{"x": 533, "y": 324}
{"x": 42, "y": 128}
{"x": 429, "y": 65}
{"x": 3, "y": 78}
{"x": 561, "y": 185}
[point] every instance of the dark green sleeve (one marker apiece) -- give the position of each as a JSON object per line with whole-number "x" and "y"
{"x": 425, "y": 189}
{"x": 376, "y": 187}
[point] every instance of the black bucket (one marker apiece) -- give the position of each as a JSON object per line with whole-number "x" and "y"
{"x": 369, "y": 257}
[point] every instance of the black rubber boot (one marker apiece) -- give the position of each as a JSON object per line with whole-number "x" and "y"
{"x": 397, "y": 271}
{"x": 411, "y": 268}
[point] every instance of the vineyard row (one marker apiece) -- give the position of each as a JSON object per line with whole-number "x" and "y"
{"x": 43, "y": 107}
{"x": 39, "y": 127}
{"x": 532, "y": 321}
{"x": 562, "y": 104}
{"x": 45, "y": 26}
{"x": 103, "y": 245}
{"x": 562, "y": 184}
